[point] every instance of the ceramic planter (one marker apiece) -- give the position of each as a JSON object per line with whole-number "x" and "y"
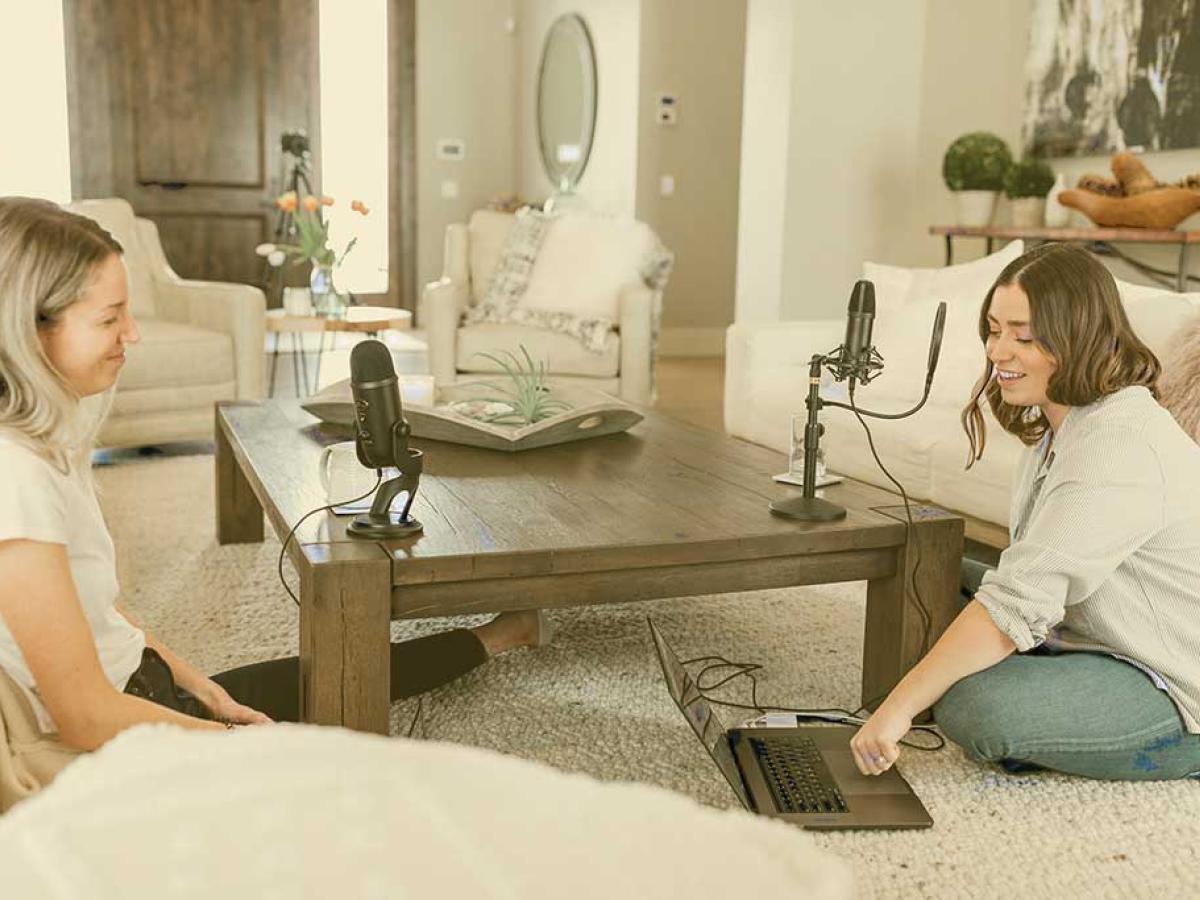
{"x": 975, "y": 208}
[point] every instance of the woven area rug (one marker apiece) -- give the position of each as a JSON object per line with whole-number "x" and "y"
{"x": 593, "y": 702}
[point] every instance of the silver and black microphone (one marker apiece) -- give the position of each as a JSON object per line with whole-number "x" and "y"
{"x": 381, "y": 440}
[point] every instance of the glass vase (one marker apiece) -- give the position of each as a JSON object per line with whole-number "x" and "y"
{"x": 327, "y": 301}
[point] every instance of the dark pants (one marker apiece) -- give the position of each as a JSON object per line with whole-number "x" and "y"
{"x": 273, "y": 687}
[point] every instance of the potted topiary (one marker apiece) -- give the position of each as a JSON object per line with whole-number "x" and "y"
{"x": 974, "y": 167}
{"x": 1026, "y": 183}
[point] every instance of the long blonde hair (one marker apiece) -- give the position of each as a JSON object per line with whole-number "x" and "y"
{"x": 1076, "y": 317}
{"x": 48, "y": 259}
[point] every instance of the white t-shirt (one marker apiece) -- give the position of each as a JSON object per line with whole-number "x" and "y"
{"x": 40, "y": 503}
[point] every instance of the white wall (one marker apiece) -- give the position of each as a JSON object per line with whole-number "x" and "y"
{"x": 609, "y": 182}
{"x": 852, "y": 148}
{"x": 466, "y": 88}
{"x": 693, "y": 49}
{"x": 876, "y": 93}
{"x": 766, "y": 124}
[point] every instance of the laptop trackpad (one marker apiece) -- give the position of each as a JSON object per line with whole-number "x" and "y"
{"x": 845, "y": 772}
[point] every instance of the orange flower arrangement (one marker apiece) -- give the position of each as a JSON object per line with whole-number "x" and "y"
{"x": 312, "y": 232}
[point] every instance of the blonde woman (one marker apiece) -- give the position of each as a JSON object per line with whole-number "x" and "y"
{"x": 83, "y": 668}
{"x": 1080, "y": 652}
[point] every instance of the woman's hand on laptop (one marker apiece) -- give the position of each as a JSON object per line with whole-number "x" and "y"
{"x": 876, "y": 746}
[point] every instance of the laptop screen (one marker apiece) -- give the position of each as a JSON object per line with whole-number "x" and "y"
{"x": 699, "y": 713}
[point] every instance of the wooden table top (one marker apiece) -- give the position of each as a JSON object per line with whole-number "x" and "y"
{"x": 358, "y": 318}
{"x": 1131, "y": 235}
{"x": 663, "y": 493}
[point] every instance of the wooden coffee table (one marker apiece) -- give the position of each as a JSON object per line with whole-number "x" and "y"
{"x": 667, "y": 509}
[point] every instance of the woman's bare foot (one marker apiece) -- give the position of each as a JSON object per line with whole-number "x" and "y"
{"x": 509, "y": 630}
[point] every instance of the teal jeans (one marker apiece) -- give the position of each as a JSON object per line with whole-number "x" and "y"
{"x": 1085, "y": 714}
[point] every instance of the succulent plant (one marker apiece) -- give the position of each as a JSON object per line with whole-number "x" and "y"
{"x": 976, "y": 162}
{"x": 527, "y": 397}
{"x": 1028, "y": 178}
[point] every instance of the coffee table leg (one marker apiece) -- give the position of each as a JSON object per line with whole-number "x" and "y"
{"x": 239, "y": 514}
{"x": 345, "y": 658}
{"x": 895, "y": 641}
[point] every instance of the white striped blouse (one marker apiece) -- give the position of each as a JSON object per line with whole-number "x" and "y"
{"x": 1105, "y": 552}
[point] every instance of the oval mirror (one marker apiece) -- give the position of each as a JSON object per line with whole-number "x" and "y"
{"x": 566, "y": 101}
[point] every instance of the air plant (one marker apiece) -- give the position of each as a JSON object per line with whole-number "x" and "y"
{"x": 527, "y": 397}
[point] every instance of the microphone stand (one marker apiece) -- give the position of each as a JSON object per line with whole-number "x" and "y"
{"x": 809, "y": 507}
{"x": 380, "y": 522}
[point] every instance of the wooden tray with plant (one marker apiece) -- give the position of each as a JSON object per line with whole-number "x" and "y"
{"x": 519, "y": 411}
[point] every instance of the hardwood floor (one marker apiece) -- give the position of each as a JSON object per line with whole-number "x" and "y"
{"x": 693, "y": 389}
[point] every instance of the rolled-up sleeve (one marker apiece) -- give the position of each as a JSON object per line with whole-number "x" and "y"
{"x": 1101, "y": 500}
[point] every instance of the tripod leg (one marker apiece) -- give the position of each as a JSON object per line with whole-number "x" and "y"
{"x": 295, "y": 365}
{"x": 274, "y": 363}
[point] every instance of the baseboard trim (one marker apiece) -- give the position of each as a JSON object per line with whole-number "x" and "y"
{"x": 692, "y": 342}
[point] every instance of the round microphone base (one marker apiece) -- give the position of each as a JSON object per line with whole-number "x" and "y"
{"x": 808, "y": 509}
{"x": 382, "y": 528}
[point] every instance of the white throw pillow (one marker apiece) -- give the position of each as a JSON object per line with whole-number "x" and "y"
{"x": 896, "y": 285}
{"x": 585, "y": 261}
{"x": 906, "y": 302}
{"x": 1156, "y": 318}
{"x": 1130, "y": 291}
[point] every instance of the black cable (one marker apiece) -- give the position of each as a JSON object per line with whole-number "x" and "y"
{"x": 819, "y": 714}
{"x": 417, "y": 718}
{"x": 311, "y": 512}
{"x": 926, "y": 616}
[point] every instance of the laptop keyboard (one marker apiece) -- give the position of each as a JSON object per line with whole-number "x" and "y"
{"x": 797, "y": 776}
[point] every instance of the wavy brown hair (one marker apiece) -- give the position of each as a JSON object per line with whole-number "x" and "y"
{"x": 1077, "y": 319}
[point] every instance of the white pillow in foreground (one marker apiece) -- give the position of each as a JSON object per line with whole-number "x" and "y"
{"x": 303, "y": 811}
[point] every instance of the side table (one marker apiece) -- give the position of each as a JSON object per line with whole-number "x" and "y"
{"x": 369, "y": 320}
{"x": 1098, "y": 240}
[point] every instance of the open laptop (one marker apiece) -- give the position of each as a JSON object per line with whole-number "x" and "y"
{"x": 804, "y": 774}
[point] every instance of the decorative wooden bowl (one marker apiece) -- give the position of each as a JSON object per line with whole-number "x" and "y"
{"x": 1159, "y": 208}
{"x": 592, "y": 414}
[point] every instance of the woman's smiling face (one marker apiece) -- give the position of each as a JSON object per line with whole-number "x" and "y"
{"x": 87, "y": 345}
{"x": 1022, "y": 367}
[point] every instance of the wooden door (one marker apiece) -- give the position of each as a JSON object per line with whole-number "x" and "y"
{"x": 179, "y": 105}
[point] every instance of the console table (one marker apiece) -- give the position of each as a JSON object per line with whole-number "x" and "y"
{"x": 1098, "y": 240}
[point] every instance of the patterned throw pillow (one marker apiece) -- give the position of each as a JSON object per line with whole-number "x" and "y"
{"x": 511, "y": 279}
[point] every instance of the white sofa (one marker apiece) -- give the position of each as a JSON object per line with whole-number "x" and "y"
{"x": 767, "y": 368}
{"x": 201, "y": 341}
{"x": 624, "y": 368}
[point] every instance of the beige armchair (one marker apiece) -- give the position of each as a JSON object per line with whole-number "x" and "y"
{"x": 201, "y": 341}
{"x": 624, "y": 368}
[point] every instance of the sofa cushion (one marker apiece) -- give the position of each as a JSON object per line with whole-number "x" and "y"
{"x": 487, "y": 230}
{"x": 173, "y": 355}
{"x": 117, "y": 218}
{"x": 562, "y": 353}
{"x": 584, "y": 262}
{"x": 985, "y": 490}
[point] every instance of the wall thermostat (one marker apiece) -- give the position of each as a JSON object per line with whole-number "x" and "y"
{"x": 451, "y": 148}
{"x": 666, "y": 111}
